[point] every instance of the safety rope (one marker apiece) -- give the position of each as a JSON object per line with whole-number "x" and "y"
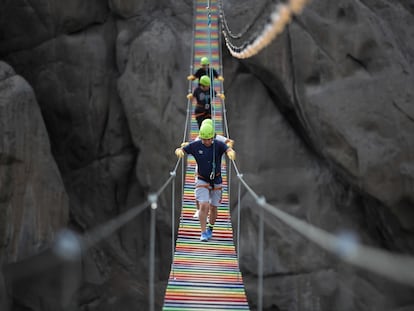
{"x": 225, "y": 124}
{"x": 212, "y": 91}
{"x": 279, "y": 18}
{"x": 260, "y": 262}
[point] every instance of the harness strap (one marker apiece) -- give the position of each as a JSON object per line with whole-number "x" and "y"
{"x": 202, "y": 114}
{"x": 209, "y": 187}
{"x": 210, "y": 181}
{"x": 207, "y": 179}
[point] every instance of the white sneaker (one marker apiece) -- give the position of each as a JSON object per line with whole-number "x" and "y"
{"x": 196, "y": 214}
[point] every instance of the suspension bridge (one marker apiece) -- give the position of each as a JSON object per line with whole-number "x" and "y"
{"x": 206, "y": 275}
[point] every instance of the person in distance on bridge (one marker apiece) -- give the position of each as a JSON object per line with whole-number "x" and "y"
{"x": 201, "y": 95}
{"x": 208, "y": 187}
{"x": 204, "y": 70}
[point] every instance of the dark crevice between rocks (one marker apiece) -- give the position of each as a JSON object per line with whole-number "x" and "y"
{"x": 6, "y": 159}
{"x": 84, "y": 29}
{"x": 407, "y": 5}
{"x": 105, "y": 126}
{"x": 40, "y": 18}
{"x": 362, "y": 2}
{"x": 75, "y": 224}
{"x": 294, "y": 116}
{"x": 357, "y": 61}
{"x": 317, "y": 43}
{"x": 402, "y": 111}
{"x": 383, "y": 226}
{"x": 126, "y": 150}
{"x": 279, "y": 96}
{"x": 101, "y": 22}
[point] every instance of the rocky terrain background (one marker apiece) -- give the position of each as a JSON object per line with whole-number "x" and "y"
{"x": 92, "y": 105}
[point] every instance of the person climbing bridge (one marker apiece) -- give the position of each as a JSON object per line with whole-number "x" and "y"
{"x": 201, "y": 94}
{"x": 208, "y": 189}
{"x": 204, "y": 70}
{"x": 229, "y": 142}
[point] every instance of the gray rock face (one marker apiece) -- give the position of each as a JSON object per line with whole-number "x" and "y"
{"x": 150, "y": 102}
{"x": 322, "y": 119}
{"x": 367, "y": 133}
{"x": 30, "y": 24}
{"x": 34, "y": 203}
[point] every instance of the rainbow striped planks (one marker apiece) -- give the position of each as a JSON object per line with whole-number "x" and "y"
{"x": 205, "y": 275}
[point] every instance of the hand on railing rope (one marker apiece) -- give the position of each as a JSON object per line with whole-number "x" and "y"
{"x": 231, "y": 154}
{"x": 184, "y": 144}
{"x": 189, "y": 96}
{"x": 230, "y": 143}
{"x": 221, "y": 96}
{"x": 191, "y": 77}
{"x": 220, "y": 78}
{"x": 179, "y": 153}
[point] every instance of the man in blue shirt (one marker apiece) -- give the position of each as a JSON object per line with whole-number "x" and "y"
{"x": 208, "y": 153}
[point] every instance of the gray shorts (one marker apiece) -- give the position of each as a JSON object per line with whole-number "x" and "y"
{"x": 204, "y": 193}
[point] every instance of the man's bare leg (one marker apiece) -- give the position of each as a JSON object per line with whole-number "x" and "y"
{"x": 204, "y": 208}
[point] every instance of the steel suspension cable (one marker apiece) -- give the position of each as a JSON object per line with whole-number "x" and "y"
{"x": 70, "y": 246}
{"x": 95, "y": 235}
{"x": 226, "y": 126}
{"x": 396, "y": 267}
{"x": 238, "y": 223}
{"x": 172, "y": 226}
{"x": 151, "y": 273}
{"x": 260, "y": 260}
{"x": 182, "y": 186}
{"x": 187, "y": 126}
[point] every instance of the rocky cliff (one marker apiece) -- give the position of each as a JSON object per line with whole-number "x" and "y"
{"x": 92, "y": 102}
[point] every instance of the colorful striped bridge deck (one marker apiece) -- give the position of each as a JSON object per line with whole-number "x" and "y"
{"x": 205, "y": 275}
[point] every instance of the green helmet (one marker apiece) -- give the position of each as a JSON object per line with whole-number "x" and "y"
{"x": 206, "y": 131}
{"x": 207, "y": 121}
{"x": 205, "y": 80}
{"x": 204, "y": 61}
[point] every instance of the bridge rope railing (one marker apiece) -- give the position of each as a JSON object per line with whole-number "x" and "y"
{"x": 396, "y": 267}
{"x": 281, "y": 16}
{"x": 69, "y": 246}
